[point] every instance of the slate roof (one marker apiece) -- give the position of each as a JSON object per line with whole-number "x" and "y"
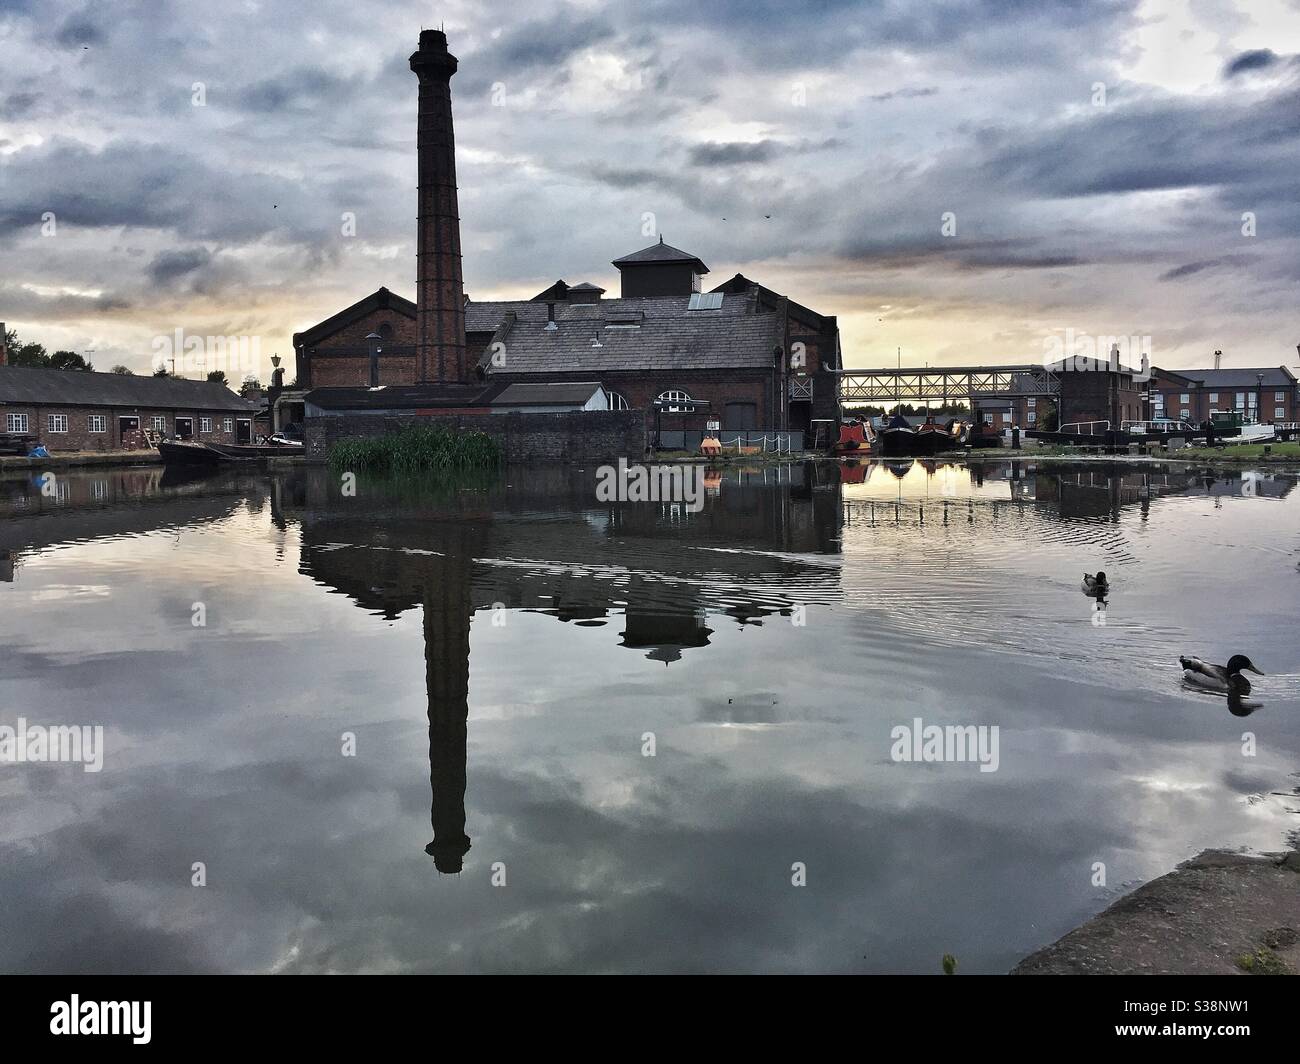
{"x": 1274, "y": 377}
{"x": 33, "y": 386}
{"x": 404, "y": 396}
{"x": 657, "y": 254}
{"x": 670, "y": 336}
{"x": 546, "y": 394}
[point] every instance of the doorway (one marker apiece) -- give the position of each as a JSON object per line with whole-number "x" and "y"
{"x": 184, "y": 428}
{"x": 243, "y": 431}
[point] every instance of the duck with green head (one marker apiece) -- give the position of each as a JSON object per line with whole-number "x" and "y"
{"x": 1220, "y": 678}
{"x": 1223, "y": 680}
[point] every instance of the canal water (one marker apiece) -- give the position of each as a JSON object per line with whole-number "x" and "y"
{"x": 517, "y": 725}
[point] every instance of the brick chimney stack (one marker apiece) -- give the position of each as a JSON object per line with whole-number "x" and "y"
{"x": 439, "y": 289}
{"x": 4, "y": 346}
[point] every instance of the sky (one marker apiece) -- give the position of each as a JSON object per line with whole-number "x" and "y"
{"x": 958, "y": 182}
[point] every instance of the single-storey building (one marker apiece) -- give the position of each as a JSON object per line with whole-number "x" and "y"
{"x": 68, "y": 410}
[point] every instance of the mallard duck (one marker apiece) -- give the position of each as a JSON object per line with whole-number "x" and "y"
{"x": 1095, "y": 585}
{"x": 1223, "y": 679}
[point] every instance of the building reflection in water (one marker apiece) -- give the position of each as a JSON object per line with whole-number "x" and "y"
{"x": 547, "y": 546}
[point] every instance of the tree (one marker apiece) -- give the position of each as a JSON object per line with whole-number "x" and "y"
{"x": 25, "y": 354}
{"x": 161, "y": 371}
{"x": 251, "y": 384}
{"x": 122, "y": 371}
{"x": 218, "y": 376}
{"x": 70, "y": 360}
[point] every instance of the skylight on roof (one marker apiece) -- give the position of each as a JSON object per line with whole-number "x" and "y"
{"x": 705, "y": 301}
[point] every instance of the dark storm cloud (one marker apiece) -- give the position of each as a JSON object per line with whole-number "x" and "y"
{"x": 716, "y": 154}
{"x": 1257, "y": 59}
{"x": 79, "y": 31}
{"x": 1158, "y": 144}
{"x": 17, "y": 105}
{"x": 733, "y": 153}
{"x": 1192, "y": 268}
{"x": 171, "y": 265}
{"x": 303, "y": 87}
{"x": 904, "y": 94}
{"x": 527, "y": 48}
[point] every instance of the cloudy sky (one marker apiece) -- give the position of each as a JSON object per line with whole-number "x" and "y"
{"x": 1107, "y": 166}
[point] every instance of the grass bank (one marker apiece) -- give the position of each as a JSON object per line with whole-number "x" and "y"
{"x": 417, "y": 449}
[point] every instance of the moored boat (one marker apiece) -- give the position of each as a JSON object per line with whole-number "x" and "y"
{"x": 192, "y": 452}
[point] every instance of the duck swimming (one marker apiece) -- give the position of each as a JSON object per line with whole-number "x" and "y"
{"x": 1223, "y": 679}
{"x": 1095, "y": 585}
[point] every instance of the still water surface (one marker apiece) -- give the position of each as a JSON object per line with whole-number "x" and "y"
{"x": 506, "y": 655}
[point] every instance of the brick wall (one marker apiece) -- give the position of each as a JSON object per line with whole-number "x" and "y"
{"x": 1201, "y": 401}
{"x": 79, "y": 436}
{"x": 640, "y": 389}
{"x": 344, "y": 360}
{"x": 569, "y": 437}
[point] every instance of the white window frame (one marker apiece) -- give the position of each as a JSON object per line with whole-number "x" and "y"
{"x": 227, "y": 424}
{"x": 1032, "y": 416}
{"x": 16, "y": 423}
{"x": 1185, "y": 398}
{"x": 96, "y": 423}
{"x": 1185, "y": 414}
{"x": 1214, "y": 397}
{"x": 1279, "y": 412}
{"x": 205, "y": 424}
{"x": 1279, "y": 397}
{"x": 617, "y": 401}
{"x": 675, "y": 395}
{"x": 1241, "y": 401}
{"x": 53, "y": 420}
{"x": 159, "y": 422}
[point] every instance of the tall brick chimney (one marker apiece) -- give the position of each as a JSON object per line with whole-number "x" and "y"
{"x": 4, "y": 346}
{"x": 439, "y": 289}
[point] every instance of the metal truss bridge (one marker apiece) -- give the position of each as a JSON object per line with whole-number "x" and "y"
{"x": 945, "y": 383}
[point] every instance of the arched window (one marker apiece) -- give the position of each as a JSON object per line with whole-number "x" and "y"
{"x": 616, "y": 401}
{"x": 676, "y": 400}
{"x": 386, "y": 331}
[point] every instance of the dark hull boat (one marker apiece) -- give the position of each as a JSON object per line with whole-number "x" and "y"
{"x": 189, "y": 453}
{"x": 900, "y": 440}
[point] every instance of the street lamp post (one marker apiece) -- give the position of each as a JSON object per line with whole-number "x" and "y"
{"x": 1259, "y": 399}
{"x": 376, "y": 346}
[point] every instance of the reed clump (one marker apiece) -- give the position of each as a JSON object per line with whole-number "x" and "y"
{"x": 417, "y": 449}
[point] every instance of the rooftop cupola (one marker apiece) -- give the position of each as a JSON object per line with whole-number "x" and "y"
{"x": 660, "y": 270}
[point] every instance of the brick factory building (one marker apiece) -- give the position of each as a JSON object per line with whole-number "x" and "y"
{"x": 759, "y": 360}
{"x": 68, "y": 410}
{"x": 1265, "y": 394}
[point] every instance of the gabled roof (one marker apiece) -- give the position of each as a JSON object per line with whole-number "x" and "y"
{"x": 29, "y": 385}
{"x": 1245, "y": 377}
{"x": 771, "y": 300}
{"x": 382, "y": 299}
{"x": 659, "y": 254}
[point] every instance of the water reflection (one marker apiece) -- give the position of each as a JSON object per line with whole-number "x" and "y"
{"x": 769, "y": 641}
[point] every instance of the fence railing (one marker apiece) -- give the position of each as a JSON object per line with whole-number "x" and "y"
{"x": 1085, "y": 428}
